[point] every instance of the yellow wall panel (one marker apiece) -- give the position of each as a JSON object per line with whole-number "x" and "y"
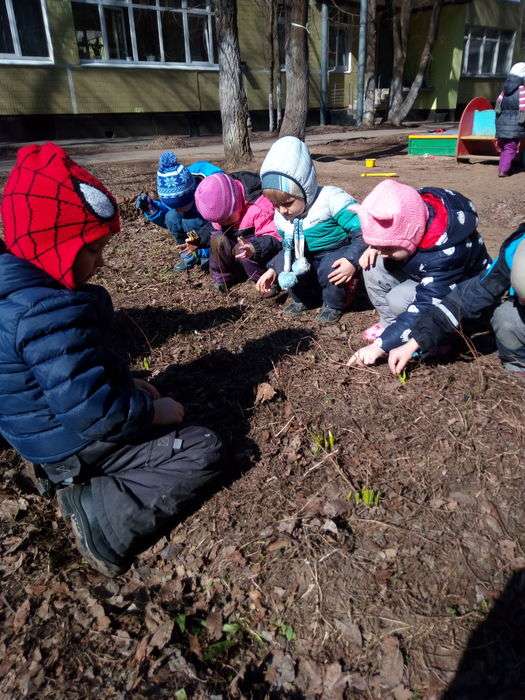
{"x": 136, "y": 90}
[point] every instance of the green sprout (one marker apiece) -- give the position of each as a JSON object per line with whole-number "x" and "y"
{"x": 365, "y": 496}
{"x": 402, "y": 377}
{"x": 323, "y": 442}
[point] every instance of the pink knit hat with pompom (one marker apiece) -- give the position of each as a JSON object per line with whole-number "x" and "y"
{"x": 218, "y": 197}
{"x": 392, "y": 215}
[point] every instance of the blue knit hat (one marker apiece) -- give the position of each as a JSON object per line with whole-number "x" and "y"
{"x": 175, "y": 184}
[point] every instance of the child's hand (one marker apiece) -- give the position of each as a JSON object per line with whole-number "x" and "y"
{"x": 343, "y": 271}
{"x": 243, "y": 250}
{"x": 144, "y": 203}
{"x": 265, "y": 282}
{"x": 399, "y": 357}
{"x": 147, "y": 388}
{"x": 369, "y": 258}
{"x": 366, "y": 356}
{"x": 167, "y": 411}
{"x": 188, "y": 247}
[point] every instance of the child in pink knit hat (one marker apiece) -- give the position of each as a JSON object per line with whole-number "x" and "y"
{"x": 421, "y": 244}
{"x": 245, "y": 237}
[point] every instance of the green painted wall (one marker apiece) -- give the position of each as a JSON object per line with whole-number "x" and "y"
{"x": 445, "y": 67}
{"x": 47, "y": 89}
{"x": 492, "y": 13}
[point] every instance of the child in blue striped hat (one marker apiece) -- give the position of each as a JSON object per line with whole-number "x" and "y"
{"x": 175, "y": 208}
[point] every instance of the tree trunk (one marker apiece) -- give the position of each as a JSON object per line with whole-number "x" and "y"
{"x": 232, "y": 96}
{"x": 369, "y": 111}
{"x": 296, "y": 108}
{"x": 400, "y": 26}
{"x": 407, "y": 104}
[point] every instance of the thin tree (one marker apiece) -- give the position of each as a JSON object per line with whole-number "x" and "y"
{"x": 232, "y": 96}
{"x": 369, "y": 111}
{"x": 296, "y": 64}
{"x": 399, "y": 107}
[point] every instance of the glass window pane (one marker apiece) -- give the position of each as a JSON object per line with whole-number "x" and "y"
{"x": 488, "y": 56}
{"x": 147, "y": 33}
{"x": 504, "y": 55}
{"x": 473, "y": 56}
{"x": 173, "y": 37}
{"x": 117, "y": 30}
{"x": 30, "y": 25}
{"x": 198, "y": 30}
{"x": 87, "y": 30}
{"x": 144, "y": 2}
{"x": 6, "y": 40}
{"x": 171, "y": 3}
{"x": 198, "y": 4}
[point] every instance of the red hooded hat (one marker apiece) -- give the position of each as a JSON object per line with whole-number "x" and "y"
{"x": 52, "y": 208}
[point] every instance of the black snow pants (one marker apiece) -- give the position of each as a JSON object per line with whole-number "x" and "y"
{"x": 139, "y": 489}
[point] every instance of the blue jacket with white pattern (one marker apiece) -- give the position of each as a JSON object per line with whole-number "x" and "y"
{"x": 459, "y": 253}
{"x": 470, "y": 299}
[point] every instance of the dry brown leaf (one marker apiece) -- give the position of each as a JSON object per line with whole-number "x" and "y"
{"x": 391, "y": 672}
{"x": 162, "y": 635}
{"x": 141, "y": 651}
{"x": 214, "y": 625}
{"x": 265, "y": 392}
{"x": 21, "y": 615}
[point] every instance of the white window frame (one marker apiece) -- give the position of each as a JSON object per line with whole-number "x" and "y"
{"x": 17, "y": 57}
{"x": 466, "y": 52}
{"x": 339, "y": 25}
{"x": 157, "y": 8}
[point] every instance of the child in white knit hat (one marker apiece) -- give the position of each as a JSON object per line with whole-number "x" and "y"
{"x": 321, "y": 237}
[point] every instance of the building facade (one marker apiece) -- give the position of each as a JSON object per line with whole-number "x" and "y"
{"x": 117, "y": 67}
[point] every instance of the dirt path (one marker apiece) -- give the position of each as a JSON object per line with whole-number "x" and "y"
{"x": 284, "y": 584}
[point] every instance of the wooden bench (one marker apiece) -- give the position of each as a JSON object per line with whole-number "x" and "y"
{"x": 472, "y": 146}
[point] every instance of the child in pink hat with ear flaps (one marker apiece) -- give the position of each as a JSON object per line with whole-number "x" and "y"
{"x": 421, "y": 244}
{"x": 245, "y": 237}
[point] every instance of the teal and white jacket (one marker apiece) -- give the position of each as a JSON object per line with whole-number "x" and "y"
{"x": 327, "y": 223}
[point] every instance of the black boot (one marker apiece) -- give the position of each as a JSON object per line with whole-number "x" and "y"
{"x": 76, "y": 502}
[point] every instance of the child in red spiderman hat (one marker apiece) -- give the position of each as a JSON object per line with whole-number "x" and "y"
{"x": 105, "y": 441}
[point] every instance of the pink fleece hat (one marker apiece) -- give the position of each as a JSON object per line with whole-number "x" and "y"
{"x": 393, "y": 214}
{"x": 218, "y": 197}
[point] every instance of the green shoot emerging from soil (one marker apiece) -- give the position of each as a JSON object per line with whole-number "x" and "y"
{"x": 365, "y": 496}
{"x": 402, "y": 377}
{"x": 323, "y": 441}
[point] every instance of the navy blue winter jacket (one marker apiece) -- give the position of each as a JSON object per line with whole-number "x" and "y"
{"x": 510, "y": 122}
{"x": 470, "y": 299}
{"x": 61, "y": 387}
{"x": 458, "y": 254}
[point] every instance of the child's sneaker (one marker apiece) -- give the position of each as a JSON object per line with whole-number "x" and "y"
{"x": 186, "y": 262}
{"x": 373, "y": 332}
{"x": 327, "y": 315}
{"x": 295, "y": 308}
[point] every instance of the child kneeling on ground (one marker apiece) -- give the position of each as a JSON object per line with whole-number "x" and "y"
{"x": 500, "y": 291}
{"x": 109, "y": 443}
{"x": 175, "y": 208}
{"x": 244, "y": 236}
{"x": 422, "y": 243}
{"x": 321, "y": 236}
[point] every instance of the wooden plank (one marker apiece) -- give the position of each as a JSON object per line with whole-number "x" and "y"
{"x": 477, "y": 158}
{"x": 477, "y": 138}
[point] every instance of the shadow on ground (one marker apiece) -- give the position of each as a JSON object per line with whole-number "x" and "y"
{"x": 493, "y": 664}
{"x": 395, "y": 150}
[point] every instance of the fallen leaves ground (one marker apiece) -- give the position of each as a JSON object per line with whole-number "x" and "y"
{"x": 284, "y": 584}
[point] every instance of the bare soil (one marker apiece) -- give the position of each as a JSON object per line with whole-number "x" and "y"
{"x": 285, "y": 584}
